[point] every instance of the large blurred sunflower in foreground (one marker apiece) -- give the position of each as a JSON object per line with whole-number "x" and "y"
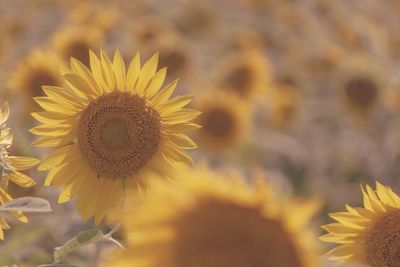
{"x": 37, "y": 69}
{"x": 369, "y": 234}
{"x": 111, "y": 126}
{"x": 207, "y": 220}
{"x": 10, "y": 169}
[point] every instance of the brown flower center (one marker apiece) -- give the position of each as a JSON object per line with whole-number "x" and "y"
{"x": 78, "y": 49}
{"x": 175, "y": 60}
{"x": 118, "y": 134}
{"x": 383, "y": 245}
{"x": 239, "y": 81}
{"x": 218, "y": 123}
{"x": 361, "y": 92}
{"x": 218, "y": 234}
{"x": 39, "y": 78}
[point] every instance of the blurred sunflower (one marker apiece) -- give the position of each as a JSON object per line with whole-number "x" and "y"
{"x": 225, "y": 121}
{"x": 37, "y": 69}
{"x": 75, "y": 41}
{"x": 111, "y": 127}
{"x": 369, "y": 234}
{"x": 196, "y": 18}
{"x": 203, "y": 220}
{"x": 91, "y": 13}
{"x": 174, "y": 55}
{"x": 150, "y": 30}
{"x": 10, "y": 169}
{"x": 283, "y": 103}
{"x": 244, "y": 73}
{"x": 360, "y": 86}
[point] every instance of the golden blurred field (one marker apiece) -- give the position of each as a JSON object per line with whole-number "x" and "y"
{"x": 302, "y": 95}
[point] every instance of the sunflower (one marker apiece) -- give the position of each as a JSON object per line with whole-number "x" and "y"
{"x": 196, "y": 19}
{"x": 10, "y": 169}
{"x": 111, "y": 127}
{"x": 207, "y": 219}
{"x": 149, "y": 30}
{"x": 360, "y": 86}
{"x": 225, "y": 121}
{"x": 90, "y": 13}
{"x": 37, "y": 69}
{"x": 368, "y": 234}
{"x": 283, "y": 104}
{"x": 173, "y": 54}
{"x": 75, "y": 41}
{"x": 245, "y": 73}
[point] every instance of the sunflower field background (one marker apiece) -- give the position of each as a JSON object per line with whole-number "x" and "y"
{"x": 280, "y": 107}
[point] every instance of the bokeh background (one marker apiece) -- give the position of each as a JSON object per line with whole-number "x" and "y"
{"x": 307, "y": 91}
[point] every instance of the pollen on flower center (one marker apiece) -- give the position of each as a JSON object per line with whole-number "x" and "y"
{"x": 218, "y": 123}
{"x": 118, "y": 134}
{"x": 361, "y": 92}
{"x": 383, "y": 243}
{"x": 218, "y": 234}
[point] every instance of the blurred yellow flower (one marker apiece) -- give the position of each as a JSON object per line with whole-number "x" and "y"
{"x": 10, "y": 169}
{"x": 91, "y": 13}
{"x": 111, "y": 127}
{"x": 360, "y": 85}
{"x": 369, "y": 234}
{"x": 283, "y": 101}
{"x": 75, "y": 41}
{"x": 37, "y": 69}
{"x": 174, "y": 55}
{"x": 149, "y": 30}
{"x": 208, "y": 219}
{"x": 225, "y": 121}
{"x": 244, "y": 73}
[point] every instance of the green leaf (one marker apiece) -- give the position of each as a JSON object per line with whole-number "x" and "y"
{"x": 82, "y": 239}
{"x": 26, "y": 204}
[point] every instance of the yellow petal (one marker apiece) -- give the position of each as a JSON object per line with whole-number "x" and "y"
{"x": 85, "y": 73}
{"x": 156, "y": 83}
{"x": 165, "y": 93}
{"x": 180, "y": 116}
{"x": 107, "y": 71}
{"x": 21, "y": 179}
{"x": 119, "y": 70}
{"x": 49, "y": 105}
{"x": 95, "y": 66}
{"x": 133, "y": 73}
{"x": 21, "y": 163}
{"x": 64, "y": 97}
{"x": 175, "y": 104}
{"x": 54, "y": 158}
{"x": 48, "y": 117}
{"x": 146, "y": 74}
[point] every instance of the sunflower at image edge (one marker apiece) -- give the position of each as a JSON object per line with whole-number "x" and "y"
{"x": 110, "y": 127}
{"x": 216, "y": 220}
{"x": 11, "y": 169}
{"x": 368, "y": 234}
